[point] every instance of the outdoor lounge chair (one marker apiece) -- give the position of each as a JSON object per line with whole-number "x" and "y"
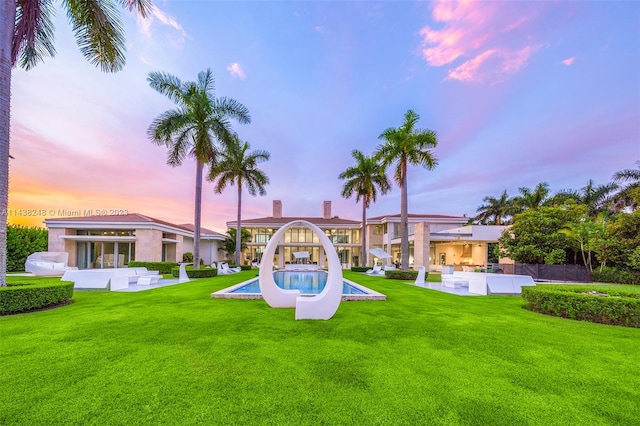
{"x": 224, "y": 269}
{"x": 377, "y": 270}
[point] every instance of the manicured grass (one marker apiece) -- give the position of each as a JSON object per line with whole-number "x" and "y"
{"x": 173, "y": 355}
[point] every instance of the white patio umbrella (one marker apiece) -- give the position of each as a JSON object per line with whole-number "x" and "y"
{"x": 300, "y": 255}
{"x": 379, "y": 253}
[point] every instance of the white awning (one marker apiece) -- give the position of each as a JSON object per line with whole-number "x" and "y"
{"x": 379, "y": 253}
{"x": 300, "y": 254}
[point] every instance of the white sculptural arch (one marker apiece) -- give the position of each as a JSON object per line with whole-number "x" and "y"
{"x": 320, "y": 306}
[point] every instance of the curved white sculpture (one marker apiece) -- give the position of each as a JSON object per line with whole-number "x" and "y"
{"x": 182, "y": 275}
{"x": 48, "y": 263}
{"x": 421, "y": 274}
{"x": 320, "y": 306}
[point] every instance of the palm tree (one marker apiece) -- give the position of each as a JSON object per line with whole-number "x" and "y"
{"x": 406, "y": 145}
{"x": 364, "y": 180}
{"x": 229, "y": 243}
{"x": 237, "y": 166}
{"x": 495, "y": 210}
{"x": 26, "y": 37}
{"x": 195, "y": 128}
{"x": 595, "y": 197}
{"x": 532, "y": 198}
{"x": 629, "y": 193}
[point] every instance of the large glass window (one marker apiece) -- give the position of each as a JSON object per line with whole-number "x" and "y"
{"x": 102, "y": 254}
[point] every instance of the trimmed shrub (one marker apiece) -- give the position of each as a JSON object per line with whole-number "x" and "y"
{"x": 615, "y": 275}
{"x": 605, "y": 305}
{"x": 403, "y": 275}
{"x": 187, "y": 257}
{"x": 162, "y": 267}
{"x": 360, "y": 268}
{"x": 196, "y": 273}
{"x": 24, "y": 298}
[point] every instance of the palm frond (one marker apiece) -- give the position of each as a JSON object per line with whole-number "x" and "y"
{"x": 33, "y": 33}
{"x": 98, "y": 32}
{"x": 168, "y": 85}
{"x": 143, "y": 7}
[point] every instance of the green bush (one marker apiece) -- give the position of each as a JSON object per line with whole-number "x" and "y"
{"x": 403, "y": 275}
{"x": 21, "y": 242}
{"x": 23, "y": 298}
{"x": 615, "y": 275}
{"x": 162, "y": 267}
{"x": 196, "y": 273}
{"x": 187, "y": 257}
{"x": 360, "y": 268}
{"x": 607, "y": 305}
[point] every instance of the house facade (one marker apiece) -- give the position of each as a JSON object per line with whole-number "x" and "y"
{"x": 434, "y": 240}
{"x": 95, "y": 242}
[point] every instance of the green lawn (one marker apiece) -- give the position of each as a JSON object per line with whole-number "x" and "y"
{"x": 175, "y": 356}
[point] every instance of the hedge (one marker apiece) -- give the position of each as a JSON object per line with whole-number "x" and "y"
{"x": 14, "y": 299}
{"x": 403, "y": 275}
{"x": 605, "y": 305}
{"x": 196, "y": 273}
{"x": 21, "y": 242}
{"x": 162, "y": 267}
{"x": 360, "y": 268}
{"x": 615, "y": 275}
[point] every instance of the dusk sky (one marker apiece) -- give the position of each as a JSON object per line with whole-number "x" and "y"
{"x": 518, "y": 93}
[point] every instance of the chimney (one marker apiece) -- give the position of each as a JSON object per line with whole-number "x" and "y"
{"x": 326, "y": 210}
{"x": 277, "y": 209}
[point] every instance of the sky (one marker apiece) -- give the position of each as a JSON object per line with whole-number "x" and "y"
{"x": 518, "y": 93}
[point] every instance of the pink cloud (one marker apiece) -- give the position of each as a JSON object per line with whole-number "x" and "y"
{"x": 569, "y": 61}
{"x": 490, "y": 39}
{"x": 235, "y": 69}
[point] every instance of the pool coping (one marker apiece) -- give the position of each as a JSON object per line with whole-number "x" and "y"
{"x": 226, "y": 293}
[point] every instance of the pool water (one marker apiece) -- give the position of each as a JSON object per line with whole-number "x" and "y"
{"x": 306, "y": 282}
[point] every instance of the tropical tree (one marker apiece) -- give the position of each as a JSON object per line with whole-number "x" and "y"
{"x": 198, "y": 128}
{"x": 406, "y": 145}
{"x": 583, "y": 233}
{"x": 595, "y": 197}
{"x": 26, "y": 37}
{"x": 238, "y": 166}
{"x": 364, "y": 180}
{"x": 534, "y": 234}
{"x": 229, "y": 244}
{"x": 532, "y": 198}
{"x": 629, "y": 191}
{"x": 495, "y": 210}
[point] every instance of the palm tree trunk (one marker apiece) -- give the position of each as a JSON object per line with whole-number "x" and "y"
{"x": 239, "y": 225}
{"x": 364, "y": 232}
{"x": 404, "y": 219}
{"x": 7, "y": 24}
{"x": 198, "y": 216}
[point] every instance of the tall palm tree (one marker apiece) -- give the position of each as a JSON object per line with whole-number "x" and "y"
{"x": 238, "y": 166}
{"x": 629, "y": 193}
{"x": 495, "y": 210}
{"x": 532, "y": 198}
{"x": 364, "y": 180}
{"x": 406, "y": 145}
{"x": 26, "y": 37}
{"x": 196, "y": 128}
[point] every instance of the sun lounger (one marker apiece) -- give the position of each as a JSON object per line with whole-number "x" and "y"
{"x": 377, "y": 270}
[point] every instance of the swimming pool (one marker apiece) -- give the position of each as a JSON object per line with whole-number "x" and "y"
{"x": 305, "y": 281}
